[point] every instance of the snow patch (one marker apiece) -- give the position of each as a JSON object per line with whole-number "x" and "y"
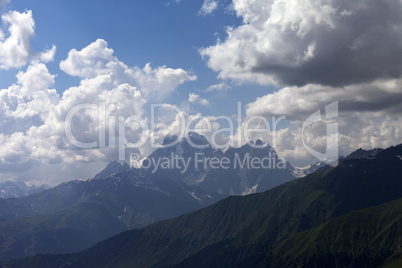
{"x": 202, "y": 179}
{"x": 300, "y": 172}
{"x": 193, "y": 195}
{"x": 252, "y": 190}
{"x": 400, "y": 157}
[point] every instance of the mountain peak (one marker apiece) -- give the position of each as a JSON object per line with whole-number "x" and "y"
{"x": 111, "y": 168}
{"x": 259, "y": 142}
{"x": 113, "y": 164}
{"x": 169, "y": 139}
{"x": 361, "y": 153}
{"x": 196, "y": 138}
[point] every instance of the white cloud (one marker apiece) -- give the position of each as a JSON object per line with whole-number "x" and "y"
{"x": 365, "y": 130}
{"x": 32, "y": 115}
{"x": 160, "y": 81}
{"x": 36, "y": 77}
{"x": 48, "y": 55}
{"x": 299, "y": 42}
{"x": 15, "y": 46}
{"x": 30, "y": 98}
{"x": 312, "y": 49}
{"x": 171, "y": 122}
{"x": 218, "y": 87}
{"x": 97, "y": 59}
{"x": 194, "y": 98}
{"x": 25, "y": 106}
{"x": 204, "y": 102}
{"x": 91, "y": 61}
{"x": 173, "y": 1}
{"x": 33, "y": 123}
{"x": 15, "y": 51}
{"x": 318, "y": 52}
{"x": 369, "y": 116}
{"x": 297, "y": 102}
{"x": 208, "y": 7}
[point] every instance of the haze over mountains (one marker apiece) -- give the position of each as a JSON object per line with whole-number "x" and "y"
{"x": 344, "y": 216}
{"x": 232, "y": 173}
{"x": 11, "y": 189}
{"x": 84, "y": 85}
{"x": 77, "y": 214}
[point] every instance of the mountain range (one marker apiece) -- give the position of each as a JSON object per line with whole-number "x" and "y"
{"x": 13, "y": 189}
{"x": 77, "y": 214}
{"x": 344, "y": 216}
{"x": 231, "y": 172}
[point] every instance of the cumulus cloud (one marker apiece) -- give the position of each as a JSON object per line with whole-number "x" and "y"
{"x": 27, "y": 102}
{"x": 315, "y": 53}
{"x": 91, "y": 61}
{"x": 169, "y": 121}
{"x": 299, "y": 102}
{"x": 299, "y": 42}
{"x": 208, "y": 7}
{"x": 34, "y": 119}
{"x": 194, "y": 98}
{"x": 369, "y": 117}
{"x": 24, "y": 106}
{"x": 160, "y": 81}
{"x": 97, "y": 59}
{"x": 39, "y": 126}
{"x": 365, "y": 129}
{"x": 15, "y": 46}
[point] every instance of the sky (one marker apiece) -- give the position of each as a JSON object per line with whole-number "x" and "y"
{"x": 65, "y": 63}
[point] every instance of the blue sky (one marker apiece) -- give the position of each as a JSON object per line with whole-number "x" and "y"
{"x": 139, "y": 32}
{"x": 279, "y": 58}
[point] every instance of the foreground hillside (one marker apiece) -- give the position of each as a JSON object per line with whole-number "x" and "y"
{"x": 280, "y": 227}
{"x": 366, "y": 238}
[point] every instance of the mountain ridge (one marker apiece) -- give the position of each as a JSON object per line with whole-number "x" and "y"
{"x": 239, "y": 229}
{"x": 60, "y": 215}
{"x": 233, "y": 173}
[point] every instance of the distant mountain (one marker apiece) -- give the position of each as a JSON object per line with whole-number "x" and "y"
{"x": 173, "y": 180}
{"x": 360, "y": 153}
{"x": 78, "y": 214}
{"x": 237, "y": 171}
{"x": 13, "y": 189}
{"x": 344, "y": 216}
{"x": 300, "y": 172}
{"x": 112, "y": 168}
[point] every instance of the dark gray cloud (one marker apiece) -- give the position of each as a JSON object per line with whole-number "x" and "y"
{"x": 333, "y": 43}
